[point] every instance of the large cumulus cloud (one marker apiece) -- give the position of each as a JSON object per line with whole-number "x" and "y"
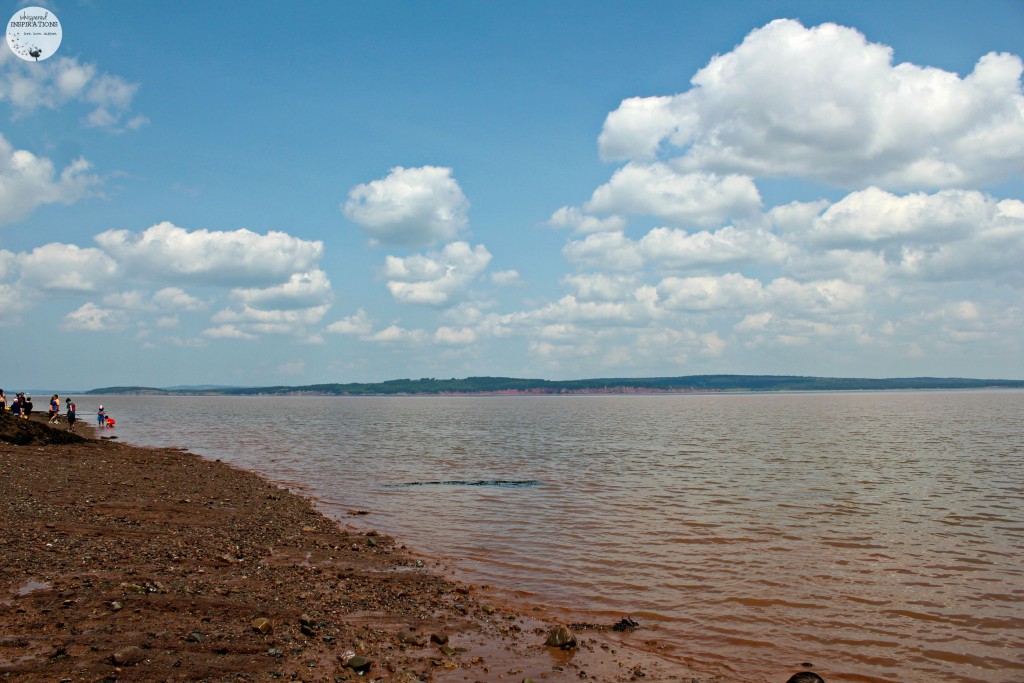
{"x": 410, "y": 207}
{"x": 824, "y": 103}
{"x": 240, "y": 258}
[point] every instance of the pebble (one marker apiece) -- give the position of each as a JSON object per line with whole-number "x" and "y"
{"x": 263, "y": 625}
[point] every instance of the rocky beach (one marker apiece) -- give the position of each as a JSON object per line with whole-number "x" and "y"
{"x": 123, "y": 563}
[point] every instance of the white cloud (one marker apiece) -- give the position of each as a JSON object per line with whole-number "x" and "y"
{"x": 28, "y": 181}
{"x": 58, "y": 267}
{"x": 8, "y": 263}
{"x": 273, "y": 321}
{"x": 411, "y": 207}
{"x": 709, "y": 293}
{"x": 394, "y": 333}
{"x": 873, "y": 235}
{"x": 702, "y": 199}
{"x": 358, "y": 324}
{"x": 824, "y": 103}
{"x": 606, "y": 251}
{"x": 602, "y": 287}
{"x": 573, "y": 218}
{"x": 678, "y": 249}
{"x": 59, "y": 81}
{"x": 874, "y": 216}
{"x": 91, "y": 318}
{"x": 177, "y": 299}
{"x": 239, "y": 258}
{"x": 14, "y": 300}
{"x": 133, "y": 300}
{"x": 435, "y": 279}
{"x": 228, "y": 332}
{"x": 303, "y": 290}
{"x": 821, "y": 297}
{"x": 455, "y": 337}
{"x": 505, "y": 277}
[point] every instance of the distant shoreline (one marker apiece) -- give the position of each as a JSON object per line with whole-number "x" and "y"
{"x": 510, "y": 386}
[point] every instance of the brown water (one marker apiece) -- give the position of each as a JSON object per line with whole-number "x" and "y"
{"x": 878, "y": 536}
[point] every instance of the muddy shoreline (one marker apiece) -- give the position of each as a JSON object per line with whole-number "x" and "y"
{"x": 123, "y": 563}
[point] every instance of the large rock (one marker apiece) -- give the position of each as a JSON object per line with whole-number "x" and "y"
{"x": 128, "y": 656}
{"x": 562, "y": 637}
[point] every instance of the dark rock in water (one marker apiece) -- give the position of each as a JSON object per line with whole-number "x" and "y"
{"x": 805, "y": 677}
{"x": 626, "y": 624}
{"x": 441, "y": 638}
{"x": 562, "y": 637}
{"x": 504, "y": 483}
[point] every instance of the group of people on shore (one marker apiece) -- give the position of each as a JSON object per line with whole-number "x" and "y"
{"x": 22, "y": 407}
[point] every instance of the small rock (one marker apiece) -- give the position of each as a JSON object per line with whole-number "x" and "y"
{"x": 487, "y": 609}
{"x": 263, "y": 625}
{"x": 562, "y": 637}
{"x": 116, "y": 606}
{"x": 407, "y": 636}
{"x": 307, "y": 630}
{"x": 275, "y": 652}
{"x": 127, "y": 656}
{"x": 447, "y": 651}
{"x": 441, "y": 638}
{"x": 195, "y": 637}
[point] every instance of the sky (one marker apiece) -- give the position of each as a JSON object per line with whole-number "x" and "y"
{"x": 254, "y": 194}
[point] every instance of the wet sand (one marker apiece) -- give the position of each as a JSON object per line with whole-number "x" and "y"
{"x": 153, "y": 564}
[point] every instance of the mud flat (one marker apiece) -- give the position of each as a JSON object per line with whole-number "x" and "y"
{"x": 153, "y": 564}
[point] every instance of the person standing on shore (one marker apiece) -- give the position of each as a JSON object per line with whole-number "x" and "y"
{"x": 54, "y": 408}
{"x": 101, "y": 417}
{"x": 3, "y": 400}
{"x": 71, "y": 415}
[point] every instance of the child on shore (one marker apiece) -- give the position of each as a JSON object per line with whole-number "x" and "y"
{"x": 71, "y": 416}
{"x": 101, "y": 417}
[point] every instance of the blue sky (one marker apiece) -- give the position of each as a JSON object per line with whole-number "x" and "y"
{"x": 266, "y": 193}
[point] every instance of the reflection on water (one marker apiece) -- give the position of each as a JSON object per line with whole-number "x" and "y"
{"x": 877, "y": 535}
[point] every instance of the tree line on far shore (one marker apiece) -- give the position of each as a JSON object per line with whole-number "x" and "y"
{"x": 621, "y": 385}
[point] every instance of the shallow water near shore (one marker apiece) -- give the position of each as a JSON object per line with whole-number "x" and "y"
{"x": 875, "y": 535}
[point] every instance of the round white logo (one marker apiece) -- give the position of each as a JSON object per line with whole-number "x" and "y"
{"x": 34, "y": 33}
